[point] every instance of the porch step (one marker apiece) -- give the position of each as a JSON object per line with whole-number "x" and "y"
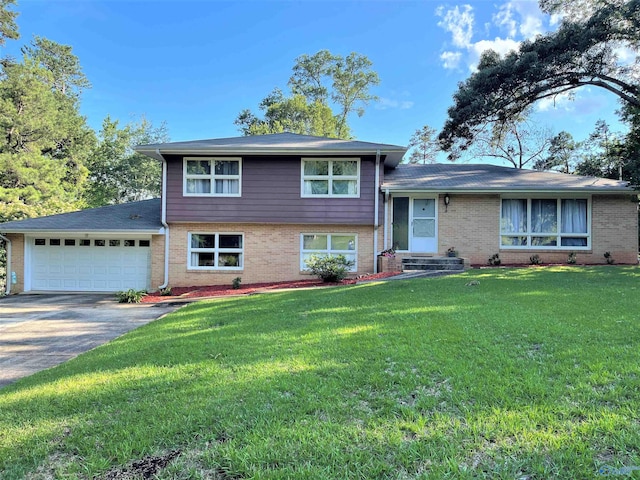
{"x": 432, "y": 263}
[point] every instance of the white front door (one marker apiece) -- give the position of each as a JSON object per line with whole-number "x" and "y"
{"x": 424, "y": 225}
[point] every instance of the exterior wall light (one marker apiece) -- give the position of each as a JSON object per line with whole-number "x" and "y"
{"x": 447, "y": 201}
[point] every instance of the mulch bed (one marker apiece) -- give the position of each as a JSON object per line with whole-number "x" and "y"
{"x": 222, "y": 290}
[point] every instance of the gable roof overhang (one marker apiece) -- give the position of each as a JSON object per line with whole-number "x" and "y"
{"x": 277, "y": 144}
{"x": 492, "y": 179}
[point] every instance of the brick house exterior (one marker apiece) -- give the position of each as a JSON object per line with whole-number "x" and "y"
{"x": 257, "y": 207}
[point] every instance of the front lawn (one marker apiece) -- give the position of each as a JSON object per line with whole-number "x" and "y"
{"x": 532, "y": 374}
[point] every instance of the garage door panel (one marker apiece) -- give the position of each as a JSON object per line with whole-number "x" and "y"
{"x": 108, "y": 266}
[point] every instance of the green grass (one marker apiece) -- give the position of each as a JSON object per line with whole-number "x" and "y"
{"x": 533, "y": 374}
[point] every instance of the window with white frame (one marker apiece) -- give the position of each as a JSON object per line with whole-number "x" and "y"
{"x": 328, "y": 244}
{"x": 216, "y": 251}
{"x": 330, "y": 178}
{"x": 541, "y": 223}
{"x": 212, "y": 176}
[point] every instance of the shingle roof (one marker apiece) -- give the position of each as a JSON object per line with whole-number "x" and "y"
{"x": 486, "y": 178}
{"x": 143, "y": 216}
{"x": 276, "y": 144}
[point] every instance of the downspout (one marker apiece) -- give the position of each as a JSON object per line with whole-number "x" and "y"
{"x": 386, "y": 219}
{"x": 163, "y": 219}
{"x": 8, "y": 269}
{"x": 376, "y": 208}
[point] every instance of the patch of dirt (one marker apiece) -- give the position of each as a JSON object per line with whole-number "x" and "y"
{"x": 146, "y": 467}
{"x": 224, "y": 290}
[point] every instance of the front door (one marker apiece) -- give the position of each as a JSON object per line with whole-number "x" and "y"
{"x": 415, "y": 224}
{"x": 423, "y": 225}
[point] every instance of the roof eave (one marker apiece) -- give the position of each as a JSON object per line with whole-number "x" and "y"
{"x": 626, "y": 191}
{"x": 48, "y": 231}
{"x": 392, "y": 156}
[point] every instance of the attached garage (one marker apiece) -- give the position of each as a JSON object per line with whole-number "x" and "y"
{"x": 87, "y": 264}
{"x": 105, "y": 249}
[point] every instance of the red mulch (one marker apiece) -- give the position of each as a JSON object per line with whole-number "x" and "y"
{"x": 222, "y": 290}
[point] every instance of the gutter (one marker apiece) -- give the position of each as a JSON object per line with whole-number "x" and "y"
{"x": 163, "y": 220}
{"x": 376, "y": 208}
{"x": 8, "y": 269}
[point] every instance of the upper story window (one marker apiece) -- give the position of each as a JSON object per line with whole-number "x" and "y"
{"x": 338, "y": 177}
{"x": 212, "y": 176}
{"x": 541, "y": 223}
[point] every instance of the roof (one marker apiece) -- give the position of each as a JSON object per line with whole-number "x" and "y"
{"x": 134, "y": 217}
{"x": 491, "y": 178}
{"x": 276, "y": 144}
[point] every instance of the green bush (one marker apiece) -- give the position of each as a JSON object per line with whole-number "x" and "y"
{"x": 165, "y": 292}
{"x": 330, "y": 268}
{"x": 535, "y": 259}
{"x": 130, "y": 296}
{"x": 571, "y": 259}
{"x": 494, "y": 259}
{"x": 609, "y": 258}
{"x": 235, "y": 283}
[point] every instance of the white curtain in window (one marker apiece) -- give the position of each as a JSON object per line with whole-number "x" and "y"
{"x": 514, "y": 215}
{"x": 227, "y": 186}
{"x": 574, "y": 216}
{"x": 544, "y": 215}
{"x": 198, "y": 185}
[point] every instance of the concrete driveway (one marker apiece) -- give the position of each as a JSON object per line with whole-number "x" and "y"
{"x": 41, "y": 331}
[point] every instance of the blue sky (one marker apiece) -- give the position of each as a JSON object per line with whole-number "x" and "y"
{"x": 195, "y": 65}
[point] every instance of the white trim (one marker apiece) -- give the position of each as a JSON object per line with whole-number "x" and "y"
{"x": 216, "y": 250}
{"x": 329, "y": 177}
{"x": 328, "y": 250}
{"x": 558, "y": 235}
{"x": 410, "y": 219}
{"x": 212, "y": 177}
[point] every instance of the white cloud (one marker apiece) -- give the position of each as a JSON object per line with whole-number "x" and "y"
{"x": 451, "y": 60}
{"x": 386, "y": 103}
{"x": 459, "y": 22}
{"x": 516, "y": 19}
{"x": 562, "y": 101}
{"x": 504, "y": 19}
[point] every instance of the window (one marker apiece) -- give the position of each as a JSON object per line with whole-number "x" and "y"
{"x": 328, "y": 244}
{"x": 220, "y": 251}
{"x": 212, "y": 176}
{"x": 129, "y": 243}
{"x": 54, "y": 242}
{"x": 98, "y": 243}
{"x": 538, "y": 223}
{"x": 144, "y": 243}
{"x": 330, "y": 178}
{"x": 84, "y": 242}
{"x": 114, "y": 243}
{"x": 69, "y": 242}
{"x": 40, "y": 241}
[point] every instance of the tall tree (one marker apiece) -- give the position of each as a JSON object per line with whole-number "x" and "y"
{"x": 562, "y": 154}
{"x": 117, "y": 173}
{"x": 8, "y": 26}
{"x": 295, "y": 114}
{"x": 66, "y": 76}
{"x": 325, "y": 90}
{"x": 424, "y": 146}
{"x": 44, "y": 144}
{"x": 582, "y": 52}
{"x": 519, "y": 143}
{"x": 605, "y": 154}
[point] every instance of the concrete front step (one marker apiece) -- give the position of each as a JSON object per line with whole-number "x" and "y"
{"x": 432, "y": 264}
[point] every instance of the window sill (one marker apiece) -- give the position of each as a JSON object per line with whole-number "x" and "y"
{"x": 215, "y": 270}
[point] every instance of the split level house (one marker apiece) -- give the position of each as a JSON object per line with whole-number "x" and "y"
{"x": 257, "y": 207}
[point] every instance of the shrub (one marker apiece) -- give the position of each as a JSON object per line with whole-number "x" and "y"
{"x": 130, "y": 296}
{"x": 235, "y": 283}
{"x": 495, "y": 259}
{"x": 571, "y": 259}
{"x": 609, "y": 258}
{"x": 330, "y": 268}
{"x": 535, "y": 259}
{"x": 165, "y": 292}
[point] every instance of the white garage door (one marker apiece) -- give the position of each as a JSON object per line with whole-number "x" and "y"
{"x": 90, "y": 265}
